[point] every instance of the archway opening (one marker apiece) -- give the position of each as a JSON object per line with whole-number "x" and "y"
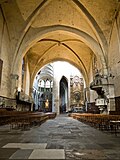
{"x": 52, "y": 87}
{"x": 63, "y": 94}
{"x": 42, "y": 89}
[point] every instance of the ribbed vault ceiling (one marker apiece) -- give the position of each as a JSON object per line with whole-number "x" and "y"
{"x": 92, "y": 19}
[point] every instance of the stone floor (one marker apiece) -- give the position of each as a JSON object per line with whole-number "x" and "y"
{"x": 59, "y": 138}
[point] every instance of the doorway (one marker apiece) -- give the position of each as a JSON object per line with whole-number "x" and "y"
{"x": 63, "y": 95}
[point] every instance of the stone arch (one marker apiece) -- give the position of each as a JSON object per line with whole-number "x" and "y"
{"x": 92, "y": 22}
{"x": 63, "y": 59}
{"x": 87, "y": 39}
{"x": 95, "y": 27}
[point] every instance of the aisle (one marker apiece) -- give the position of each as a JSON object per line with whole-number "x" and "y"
{"x": 59, "y": 138}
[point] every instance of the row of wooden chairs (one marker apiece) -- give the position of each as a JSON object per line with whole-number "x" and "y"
{"x": 33, "y": 120}
{"x": 24, "y": 120}
{"x": 27, "y": 121}
{"x": 103, "y": 122}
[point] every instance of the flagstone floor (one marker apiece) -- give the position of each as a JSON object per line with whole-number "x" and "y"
{"x": 59, "y": 138}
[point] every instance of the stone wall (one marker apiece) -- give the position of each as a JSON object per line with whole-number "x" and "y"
{"x": 114, "y": 56}
{"x": 5, "y": 56}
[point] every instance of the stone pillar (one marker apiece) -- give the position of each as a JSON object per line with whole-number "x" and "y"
{"x": 20, "y": 78}
{"x": 50, "y": 86}
{"x": 87, "y": 94}
{"x": 87, "y": 97}
{"x": 23, "y": 85}
{"x": 56, "y": 97}
{"x": 111, "y": 103}
{"x": 14, "y": 89}
{"x": 109, "y": 93}
{"x": 68, "y": 96}
{"x": 32, "y": 107}
{"x": 44, "y": 85}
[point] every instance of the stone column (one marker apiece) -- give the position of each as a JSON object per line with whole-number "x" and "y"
{"x": 20, "y": 78}
{"x": 50, "y": 86}
{"x": 44, "y": 85}
{"x": 24, "y": 74}
{"x": 68, "y": 96}
{"x": 14, "y": 85}
{"x": 111, "y": 103}
{"x": 85, "y": 98}
{"x": 56, "y": 97}
{"x": 110, "y": 94}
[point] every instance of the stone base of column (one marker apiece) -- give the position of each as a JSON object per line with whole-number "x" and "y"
{"x": 111, "y": 105}
{"x": 56, "y": 107}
